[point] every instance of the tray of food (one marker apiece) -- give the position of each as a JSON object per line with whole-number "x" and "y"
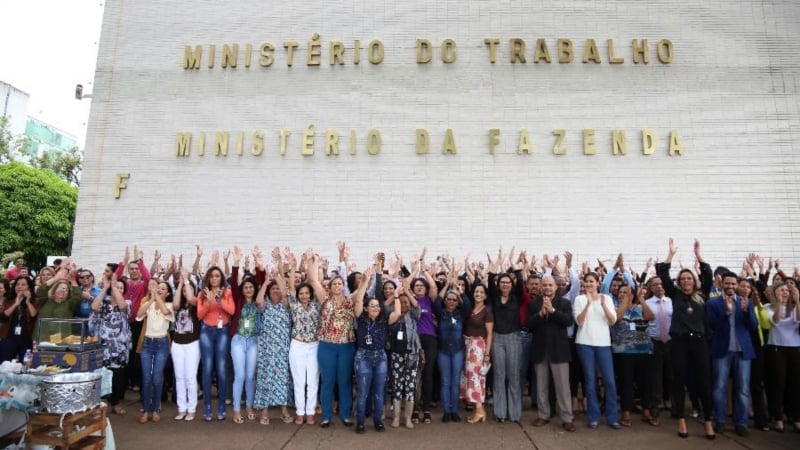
{"x": 71, "y": 342}
{"x": 46, "y": 371}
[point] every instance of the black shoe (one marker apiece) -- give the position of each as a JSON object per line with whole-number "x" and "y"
{"x": 349, "y": 423}
{"x": 446, "y": 418}
{"x": 325, "y": 423}
{"x": 455, "y": 417}
{"x": 719, "y": 427}
{"x": 683, "y": 435}
{"x": 499, "y": 419}
{"x": 379, "y": 427}
{"x": 742, "y": 431}
{"x": 359, "y": 428}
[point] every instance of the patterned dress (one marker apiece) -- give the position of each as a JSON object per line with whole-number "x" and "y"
{"x": 273, "y": 378}
{"x": 473, "y": 384}
{"x": 111, "y": 325}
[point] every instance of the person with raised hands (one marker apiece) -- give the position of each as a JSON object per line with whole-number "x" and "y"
{"x": 506, "y": 345}
{"x": 110, "y": 317}
{"x": 136, "y": 289}
{"x": 783, "y": 355}
{"x": 689, "y": 333}
{"x": 424, "y": 290}
{"x": 370, "y": 360}
{"x": 633, "y": 352}
{"x": 404, "y": 348}
{"x": 336, "y": 344}
{"x": 245, "y": 329}
{"x": 304, "y": 308}
{"x": 451, "y": 310}
{"x": 185, "y": 349}
{"x": 273, "y": 378}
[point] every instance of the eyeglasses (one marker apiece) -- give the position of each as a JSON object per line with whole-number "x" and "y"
{"x": 84, "y": 277}
{"x": 62, "y": 290}
{"x": 505, "y": 282}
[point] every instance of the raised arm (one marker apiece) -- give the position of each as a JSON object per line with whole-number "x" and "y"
{"x": 236, "y": 291}
{"x": 198, "y": 255}
{"x": 154, "y": 267}
{"x": 706, "y": 276}
{"x": 313, "y": 278}
{"x": 395, "y": 315}
{"x": 358, "y": 296}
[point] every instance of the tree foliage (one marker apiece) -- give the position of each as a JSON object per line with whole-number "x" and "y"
{"x": 37, "y": 210}
{"x": 66, "y": 164}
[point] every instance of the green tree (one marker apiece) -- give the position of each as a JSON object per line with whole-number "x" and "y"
{"x": 66, "y": 164}
{"x": 37, "y": 210}
{"x": 7, "y": 141}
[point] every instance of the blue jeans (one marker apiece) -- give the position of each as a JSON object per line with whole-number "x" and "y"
{"x": 526, "y": 371}
{"x": 214, "y": 351}
{"x": 450, "y": 367}
{"x": 243, "y": 353}
{"x": 592, "y": 358}
{"x": 154, "y": 357}
{"x": 722, "y": 368}
{"x": 336, "y": 368}
{"x": 371, "y": 368}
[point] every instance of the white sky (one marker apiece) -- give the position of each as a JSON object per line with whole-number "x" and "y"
{"x": 46, "y": 48}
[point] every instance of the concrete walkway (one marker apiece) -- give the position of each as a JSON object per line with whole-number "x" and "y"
{"x": 172, "y": 435}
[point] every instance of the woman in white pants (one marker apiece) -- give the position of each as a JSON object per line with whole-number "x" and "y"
{"x": 185, "y": 349}
{"x": 303, "y": 351}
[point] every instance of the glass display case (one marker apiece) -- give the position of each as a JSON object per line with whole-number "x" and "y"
{"x": 65, "y": 334}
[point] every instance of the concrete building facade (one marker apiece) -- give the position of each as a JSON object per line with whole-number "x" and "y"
{"x": 598, "y": 127}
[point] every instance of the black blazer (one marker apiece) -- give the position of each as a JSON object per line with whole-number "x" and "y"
{"x": 550, "y": 341}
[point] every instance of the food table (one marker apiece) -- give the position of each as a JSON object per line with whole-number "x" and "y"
{"x": 69, "y": 427}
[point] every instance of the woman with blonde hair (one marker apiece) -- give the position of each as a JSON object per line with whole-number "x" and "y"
{"x": 690, "y": 334}
{"x": 783, "y": 356}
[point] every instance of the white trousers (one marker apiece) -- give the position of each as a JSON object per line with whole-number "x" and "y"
{"x": 305, "y": 376}
{"x": 186, "y": 360}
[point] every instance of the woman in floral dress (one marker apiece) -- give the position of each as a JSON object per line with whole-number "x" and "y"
{"x": 273, "y": 379}
{"x": 110, "y": 321}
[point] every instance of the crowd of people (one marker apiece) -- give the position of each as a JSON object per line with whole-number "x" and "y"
{"x": 296, "y": 332}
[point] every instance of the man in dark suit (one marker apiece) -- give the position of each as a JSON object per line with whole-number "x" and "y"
{"x": 731, "y": 319}
{"x": 549, "y": 317}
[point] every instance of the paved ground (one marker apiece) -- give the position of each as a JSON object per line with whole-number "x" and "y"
{"x": 169, "y": 434}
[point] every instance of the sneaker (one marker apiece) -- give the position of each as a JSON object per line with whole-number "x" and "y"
{"x": 593, "y": 425}
{"x": 360, "y": 428}
{"x": 615, "y": 425}
{"x": 742, "y": 431}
